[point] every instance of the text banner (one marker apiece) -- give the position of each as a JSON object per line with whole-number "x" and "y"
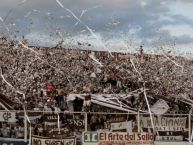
{"x": 37, "y": 140}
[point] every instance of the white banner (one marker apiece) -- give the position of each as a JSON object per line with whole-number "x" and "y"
{"x": 169, "y": 138}
{"x": 164, "y": 123}
{"x": 7, "y": 117}
{"x": 122, "y": 126}
{"x": 37, "y": 140}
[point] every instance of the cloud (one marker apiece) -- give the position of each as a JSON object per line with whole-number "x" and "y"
{"x": 148, "y": 16}
{"x": 184, "y": 39}
{"x": 178, "y": 30}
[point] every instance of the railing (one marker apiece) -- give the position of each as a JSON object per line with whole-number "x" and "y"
{"x": 19, "y": 124}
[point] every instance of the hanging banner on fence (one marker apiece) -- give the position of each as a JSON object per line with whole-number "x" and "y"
{"x": 169, "y": 138}
{"x": 50, "y": 125}
{"x": 34, "y": 117}
{"x": 7, "y": 117}
{"x": 127, "y": 126}
{"x": 37, "y": 140}
{"x": 117, "y": 138}
{"x": 50, "y": 117}
{"x": 115, "y": 119}
{"x": 59, "y": 133}
{"x": 164, "y": 123}
{"x": 75, "y": 120}
{"x": 10, "y": 141}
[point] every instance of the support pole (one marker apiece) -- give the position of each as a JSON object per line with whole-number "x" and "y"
{"x": 25, "y": 127}
{"x": 86, "y": 121}
{"x": 58, "y": 122}
{"x": 189, "y": 126}
{"x": 138, "y": 122}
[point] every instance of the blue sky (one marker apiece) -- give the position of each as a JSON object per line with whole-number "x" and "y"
{"x": 118, "y": 24}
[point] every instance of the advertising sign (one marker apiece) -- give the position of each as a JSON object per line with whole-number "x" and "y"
{"x": 117, "y": 138}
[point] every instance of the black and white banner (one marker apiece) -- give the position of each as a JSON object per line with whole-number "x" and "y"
{"x": 168, "y": 128}
{"x": 37, "y": 140}
{"x": 7, "y": 116}
{"x": 165, "y": 123}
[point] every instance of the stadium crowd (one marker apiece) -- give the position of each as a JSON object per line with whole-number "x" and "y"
{"x": 42, "y": 78}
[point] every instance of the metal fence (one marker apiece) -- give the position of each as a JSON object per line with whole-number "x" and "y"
{"x": 22, "y": 125}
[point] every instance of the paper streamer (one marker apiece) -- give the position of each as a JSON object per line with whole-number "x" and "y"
{"x": 88, "y": 28}
{"x": 147, "y": 102}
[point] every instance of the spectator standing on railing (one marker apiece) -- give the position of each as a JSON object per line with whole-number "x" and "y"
{"x": 21, "y": 132}
{"x": 94, "y": 121}
{"x": 87, "y": 103}
{"x": 40, "y": 130}
{"x": 101, "y": 122}
{"x": 17, "y": 131}
{"x": 24, "y": 41}
{"x": 60, "y": 96}
{"x": 141, "y": 50}
{"x": 5, "y": 130}
{"x": 36, "y": 130}
{"x": 12, "y": 132}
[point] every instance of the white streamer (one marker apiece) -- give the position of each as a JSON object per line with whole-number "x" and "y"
{"x": 37, "y": 55}
{"x": 89, "y": 29}
{"x": 59, "y": 122}
{"x": 59, "y": 3}
{"x": 97, "y": 62}
{"x": 1, "y": 19}
{"x": 149, "y": 110}
{"x": 25, "y": 113}
{"x": 84, "y": 11}
{"x": 19, "y": 92}
{"x": 172, "y": 60}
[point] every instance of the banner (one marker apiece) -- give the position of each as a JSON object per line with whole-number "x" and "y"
{"x": 50, "y": 125}
{"x": 169, "y": 138}
{"x": 10, "y": 141}
{"x": 168, "y": 128}
{"x": 74, "y": 120}
{"x": 127, "y": 126}
{"x": 50, "y": 117}
{"x": 34, "y": 117}
{"x": 118, "y": 118}
{"x": 164, "y": 123}
{"x": 7, "y": 117}
{"x": 117, "y": 138}
{"x": 59, "y": 133}
{"x": 37, "y": 140}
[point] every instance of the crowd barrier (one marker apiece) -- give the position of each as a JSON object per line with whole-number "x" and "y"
{"x": 93, "y": 128}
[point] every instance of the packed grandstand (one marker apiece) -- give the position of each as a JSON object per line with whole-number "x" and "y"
{"x": 103, "y": 88}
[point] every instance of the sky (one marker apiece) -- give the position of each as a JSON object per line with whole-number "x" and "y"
{"x": 115, "y": 25}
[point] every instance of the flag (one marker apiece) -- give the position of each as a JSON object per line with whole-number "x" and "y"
{"x": 160, "y": 107}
